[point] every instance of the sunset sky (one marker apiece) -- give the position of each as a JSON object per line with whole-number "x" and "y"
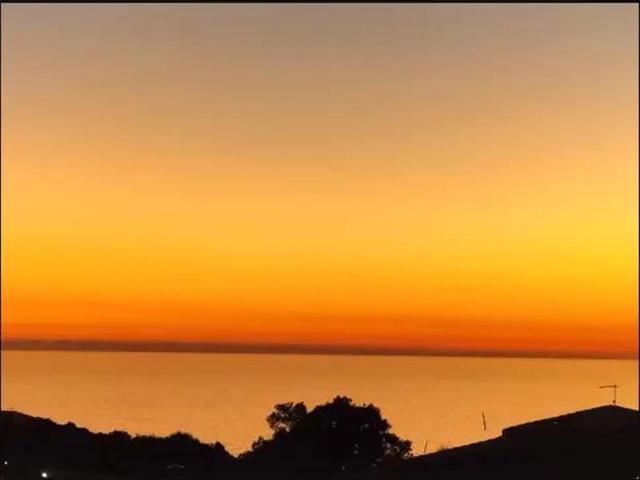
{"x": 455, "y": 178}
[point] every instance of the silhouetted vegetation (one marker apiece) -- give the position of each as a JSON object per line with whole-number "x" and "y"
{"x": 332, "y": 438}
{"x": 285, "y": 416}
{"x": 31, "y": 445}
{"x": 336, "y": 440}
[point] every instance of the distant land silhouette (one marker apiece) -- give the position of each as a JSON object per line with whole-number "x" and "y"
{"x": 336, "y": 438}
{"x": 332, "y": 441}
{"x": 289, "y": 348}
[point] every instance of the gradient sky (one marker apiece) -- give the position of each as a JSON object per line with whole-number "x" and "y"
{"x": 459, "y": 177}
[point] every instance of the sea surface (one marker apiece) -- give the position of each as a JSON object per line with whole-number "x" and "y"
{"x": 226, "y": 397}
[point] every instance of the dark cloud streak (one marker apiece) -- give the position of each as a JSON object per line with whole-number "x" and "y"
{"x": 274, "y": 348}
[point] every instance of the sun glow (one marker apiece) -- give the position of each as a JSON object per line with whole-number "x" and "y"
{"x": 214, "y": 174}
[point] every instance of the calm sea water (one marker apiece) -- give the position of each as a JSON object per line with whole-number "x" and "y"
{"x": 226, "y": 397}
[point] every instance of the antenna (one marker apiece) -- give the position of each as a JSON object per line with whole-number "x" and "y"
{"x": 424, "y": 450}
{"x": 484, "y": 422}
{"x": 615, "y": 391}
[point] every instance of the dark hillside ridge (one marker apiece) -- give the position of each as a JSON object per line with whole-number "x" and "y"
{"x": 598, "y": 443}
{"x": 32, "y": 445}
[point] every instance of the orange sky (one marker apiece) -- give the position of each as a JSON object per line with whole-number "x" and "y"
{"x": 457, "y": 177}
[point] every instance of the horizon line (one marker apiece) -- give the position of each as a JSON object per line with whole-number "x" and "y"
{"x": 292, "y": 349}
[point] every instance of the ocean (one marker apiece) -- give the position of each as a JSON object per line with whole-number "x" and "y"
{"x": 437, "y": 401}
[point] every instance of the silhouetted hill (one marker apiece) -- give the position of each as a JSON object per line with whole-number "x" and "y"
{"x": 33, "y": 445}
{"x": 333, "y": 439}
{"x": 600, "y": 443}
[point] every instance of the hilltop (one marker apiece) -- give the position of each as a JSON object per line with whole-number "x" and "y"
{"x": 598, "y": 443}
{"x": 33, "y": 445}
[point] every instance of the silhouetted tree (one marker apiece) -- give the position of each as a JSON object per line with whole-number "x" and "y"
{"x": 285, "y": 416}
{"x": 335, "y": 437}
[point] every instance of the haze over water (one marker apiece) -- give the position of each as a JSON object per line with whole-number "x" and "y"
{"x": 226, "y": 397}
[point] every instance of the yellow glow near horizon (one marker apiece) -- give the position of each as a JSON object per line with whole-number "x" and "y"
{"x": 424, "y": 176}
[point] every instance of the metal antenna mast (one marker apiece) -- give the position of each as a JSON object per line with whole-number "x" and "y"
{"x": 614, "y": 387}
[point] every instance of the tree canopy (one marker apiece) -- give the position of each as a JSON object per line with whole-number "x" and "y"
{"x": 338, "y": 436}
